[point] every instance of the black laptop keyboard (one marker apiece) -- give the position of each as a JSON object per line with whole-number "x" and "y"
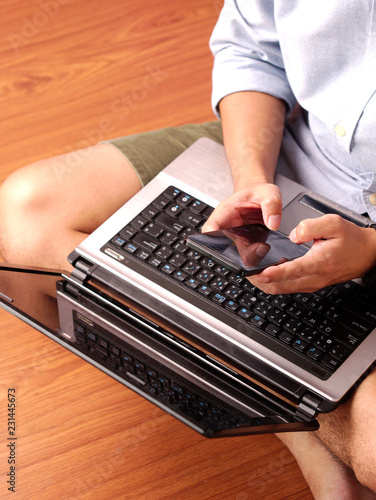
{"x": 154, "y": 380}
{"x": 323, "y": 327}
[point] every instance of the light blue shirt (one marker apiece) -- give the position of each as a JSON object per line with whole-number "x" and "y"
{"x": 320, "y": 54}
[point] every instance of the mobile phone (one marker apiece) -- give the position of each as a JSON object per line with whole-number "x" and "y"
{"x": 246, "y": 250}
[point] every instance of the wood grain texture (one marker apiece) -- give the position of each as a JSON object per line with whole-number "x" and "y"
{"x": 74, "y": 72}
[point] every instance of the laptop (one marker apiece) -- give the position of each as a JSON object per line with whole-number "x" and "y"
{"x": 190, "y": 335}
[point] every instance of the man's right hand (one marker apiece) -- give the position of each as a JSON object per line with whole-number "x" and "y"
{"x": 238, "y": 209}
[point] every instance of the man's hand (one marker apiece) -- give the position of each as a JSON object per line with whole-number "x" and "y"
{"x": 239, "y": 208}
{"x": 341, "y": 251}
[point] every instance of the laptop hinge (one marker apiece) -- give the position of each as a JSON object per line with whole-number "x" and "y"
{"x": 308, "y": 407}
{"x": 82, "y": 270}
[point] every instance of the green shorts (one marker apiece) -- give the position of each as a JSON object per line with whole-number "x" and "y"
{"x": 150, "y": 152}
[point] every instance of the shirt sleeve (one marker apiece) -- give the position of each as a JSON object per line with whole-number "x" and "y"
{"x": 247, "y": 54}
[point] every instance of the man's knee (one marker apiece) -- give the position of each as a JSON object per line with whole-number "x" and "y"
{"x": 363, "y": 406}
{"x": 22, "y": 192}
{"x": 22, "y": 197}
{"x": 350, "y": 432}
{"x": 364, "y": 462}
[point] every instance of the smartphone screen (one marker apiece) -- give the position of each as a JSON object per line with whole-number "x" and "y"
{"x": 247, "y": 249}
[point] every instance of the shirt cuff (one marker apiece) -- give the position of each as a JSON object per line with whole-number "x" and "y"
{"x": 258, "y": 76}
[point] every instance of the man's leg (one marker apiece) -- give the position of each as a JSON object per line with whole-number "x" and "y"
{"x": 339, "y": 461}
{"x": 48, "y": 207}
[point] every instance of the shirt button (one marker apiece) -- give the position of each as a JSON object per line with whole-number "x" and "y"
{"x": 372, "y": 199}
{"x": 340, "y": 130}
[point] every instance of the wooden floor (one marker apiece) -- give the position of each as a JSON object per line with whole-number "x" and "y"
{"x": 74, "y": 72}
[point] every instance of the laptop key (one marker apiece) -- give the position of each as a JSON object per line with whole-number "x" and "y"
{"x": 300, "y": 345}
{"x": 244, "y": 313}
{"x": 272, "y": 329}
{"x": 340, "y": 351}
{"x": 168, "y": 238}
{"x": 330, "y": 362}
{"x": 170, "y": 223}
{"x": 190, "y": 218}
{"x": 357, "y": 324}
{"x": 365, "y": 311}
{"x": 180, "y": 276}
{"x": 219, "y": 284}
{"x": 164, "y": 252}
{"x": 184, "y": 199}
{"x": 258, "y": 321}
{"x": 346, "y": 337}
{"x": 177, "y": 260}
{"x": 167, "y": 269}
{"x": 129, "y": 247}
{"x": 230, "y": 305}
{"x": 145, "y": 241}
{"x": 153, "y": 230}
{"x": 198, "y": 206}
{"x": 218, "y": 298}
{"x": 222, "y": 271}
{"x": 207, "y": 262}
{"x": 324, "y": 342}
{"x": 181, "y": 247}
{"x": 248, "y": 300}
{"x": 192, "y": 283}
{"x": 286, "y": 337}
{"x": 150, "y": 212}
{"x": 139, "y": 222}
{"x": 174, "y": 209}
{"x": 172, "y": 192}
{"x": 314, "y": 353}
{"x": 191, "y": 267}
{"x": 142, "y": 254}
{"x": 155, "y": 261}
{"x": 118, "y": 241}
{"x": 205, "y": 275}
{"x": 128, "y": 232}
{"x": 192, "y": 254}
{"x": 233, "y": 291}
{"x": 161, "y": 202}
{"x": 205, "y": 290}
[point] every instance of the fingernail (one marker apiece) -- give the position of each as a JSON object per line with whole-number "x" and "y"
{"x": 262, "y": 250}
{"x": 263, "y": 279}
{"x": 292, "y": 235}
{"x": 273, "y": 222}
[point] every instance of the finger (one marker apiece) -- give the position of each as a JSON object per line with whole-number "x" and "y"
{"x": 283, "y": 274}
{"x": 210, "y": 225}
{"x": 272, "y": 210}
{"x": 306, "y": 284}
{"x": 240, "y": 208}
{"x": 286, "y": 282}
{"x": 222, "y": 217}
{"x": 325, "y": 227}
{"x": 252, "y": 255}
{"x": 231, "y": 212}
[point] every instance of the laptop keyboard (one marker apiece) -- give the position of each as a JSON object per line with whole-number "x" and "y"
{"x": 323, "y": 327}
{"x": 155, "y": 381}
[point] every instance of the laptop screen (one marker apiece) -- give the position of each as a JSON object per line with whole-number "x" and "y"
{"x": 143, "y": 358}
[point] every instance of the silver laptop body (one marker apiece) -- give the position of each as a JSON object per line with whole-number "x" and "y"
{"x": 203, "y": 172}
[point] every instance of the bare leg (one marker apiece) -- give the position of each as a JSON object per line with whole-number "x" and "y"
{"x": 48, "y": 207}
{"x": 327, "y": 477}
{"x": 339, "y": 460}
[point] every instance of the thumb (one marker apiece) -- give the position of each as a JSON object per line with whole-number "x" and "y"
{"x": 313, "y": 229}
{"x": 271, "y": 212}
